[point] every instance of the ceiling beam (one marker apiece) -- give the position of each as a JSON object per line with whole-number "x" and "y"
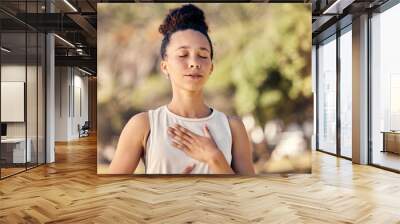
{"x": 84, "y": 24}
{"x": 82, "y": 61}
{"x": 337, "y": 7}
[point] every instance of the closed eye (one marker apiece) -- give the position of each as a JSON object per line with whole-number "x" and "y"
{"x": 183, "y": 56}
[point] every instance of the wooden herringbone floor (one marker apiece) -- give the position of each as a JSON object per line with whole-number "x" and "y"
{"x": 69, "y": 191}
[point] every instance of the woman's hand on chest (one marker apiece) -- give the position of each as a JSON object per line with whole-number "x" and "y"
{"x": 202, "y": 148}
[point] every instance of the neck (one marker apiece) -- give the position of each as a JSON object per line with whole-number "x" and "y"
{"x": 189, "y": 104}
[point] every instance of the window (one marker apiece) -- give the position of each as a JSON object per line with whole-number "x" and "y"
{"x": 327, "y": 95}
{"x": 345, "y": 92}
{"x": 385, "y": 88}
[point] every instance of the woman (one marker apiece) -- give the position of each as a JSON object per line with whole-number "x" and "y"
{"x": 185, "y": 136}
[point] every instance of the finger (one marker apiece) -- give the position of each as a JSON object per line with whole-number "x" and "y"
{"x": 173, "y": 132}
{"x": 170, "y": 131}
{"x": 206, "y": 131}
{"x": 185, "y": 131}
{"x": 180, "y": 146}
{"x": 181, "y": 132}
{"x": 188, "y": 169}
{"x": 182, "y": 140}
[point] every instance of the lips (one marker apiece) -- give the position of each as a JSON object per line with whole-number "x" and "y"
{"x": 194, "y": 76}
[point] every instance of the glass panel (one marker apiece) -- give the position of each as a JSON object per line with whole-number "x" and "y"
{"x": 41, "y": 98}
{"x": 22, "y": 88}
{"x": 346, "y": 94}
{"x": 327, "y": 96}
{"x": 13, "y": 87}
{"x": 385, "y": 89}
{"x": 31, "y": 98}
{"x": 31, "y": 86}
{"x": 314, "y": 78}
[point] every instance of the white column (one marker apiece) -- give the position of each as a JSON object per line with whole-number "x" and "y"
{"x": 50, "y": 93}
{"x": 360, "y": 90}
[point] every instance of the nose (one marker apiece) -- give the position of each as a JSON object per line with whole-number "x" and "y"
{"x": 194, "y": 64}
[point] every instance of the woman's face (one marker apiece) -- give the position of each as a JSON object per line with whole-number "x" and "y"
{"x": 188, "y": 60}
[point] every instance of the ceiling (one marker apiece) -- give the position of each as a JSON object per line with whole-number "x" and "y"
{"x": 330, "y": 15}
{"x": 74, "y": 22}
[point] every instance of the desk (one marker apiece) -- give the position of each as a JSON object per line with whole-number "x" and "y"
{"x": 17, "y": 150}
{"x": 391, "y": 141}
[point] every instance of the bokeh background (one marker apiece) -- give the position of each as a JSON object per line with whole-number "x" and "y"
{"x": 262, "y": 73}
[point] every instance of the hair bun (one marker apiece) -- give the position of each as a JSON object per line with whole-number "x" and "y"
{"x": 187, "y": 16}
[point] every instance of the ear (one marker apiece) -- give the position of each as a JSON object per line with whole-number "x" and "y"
{"x": 212, "y": 68}
{"x": 164, "y": 68}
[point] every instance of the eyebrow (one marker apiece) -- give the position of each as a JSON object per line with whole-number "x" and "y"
{"x": 186, "y": 47}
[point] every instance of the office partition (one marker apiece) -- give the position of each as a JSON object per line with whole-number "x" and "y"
{"x": 22, "y": 78}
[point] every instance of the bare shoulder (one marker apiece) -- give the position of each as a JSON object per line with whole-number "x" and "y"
{"x": 236, "y": 123}
{"x": 140, "y": 120}
{"x": 138, "y": 125}
{"x": 130, "y": 145}
{"x": 136, "y": 129}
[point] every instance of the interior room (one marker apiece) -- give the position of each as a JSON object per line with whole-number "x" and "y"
{"x": 49, "y": 136}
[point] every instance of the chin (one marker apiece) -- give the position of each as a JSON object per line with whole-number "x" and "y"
{"x": 193, "y": 88}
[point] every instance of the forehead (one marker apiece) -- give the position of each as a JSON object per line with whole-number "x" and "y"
{"x": 191, "y": 38}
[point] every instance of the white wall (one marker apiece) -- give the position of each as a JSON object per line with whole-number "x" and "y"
{"x": 61, "y": 103}
{"x": 70, "y": 84}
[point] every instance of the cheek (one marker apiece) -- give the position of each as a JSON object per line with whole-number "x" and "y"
{"x": 207, "y": 66}
{"x": 177, "y": 64}
{"x": 176, "y": 68}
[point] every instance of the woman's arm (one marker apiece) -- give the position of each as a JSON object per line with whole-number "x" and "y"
{"x": 219, "y": 165}
{"x": 242, "y": 161}
{"x": 130, "y": 145}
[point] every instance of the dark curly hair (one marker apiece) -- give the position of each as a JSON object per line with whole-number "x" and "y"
{"x": 185, "y": 17}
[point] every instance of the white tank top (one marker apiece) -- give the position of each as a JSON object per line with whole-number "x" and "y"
{"x": 162, "y": 158}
